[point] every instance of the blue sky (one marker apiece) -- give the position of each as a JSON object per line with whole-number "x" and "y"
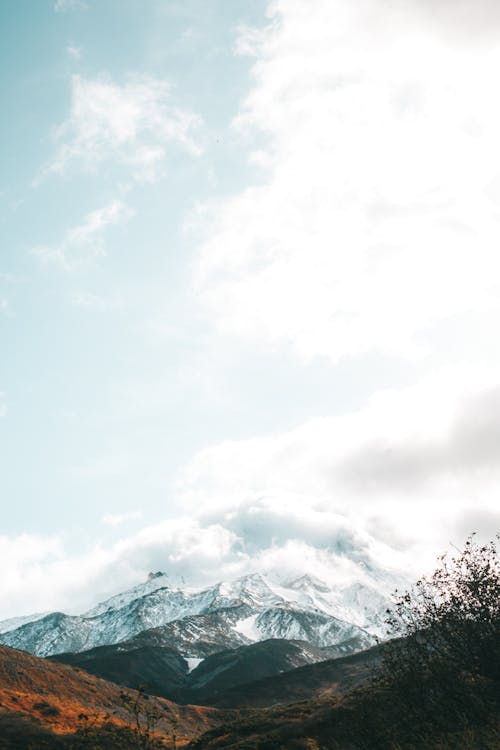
{"x": 73, "y": 338}
{"x": 248, "y": 271}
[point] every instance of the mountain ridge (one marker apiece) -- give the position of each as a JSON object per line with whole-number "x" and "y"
{"x": 198, "y": 620}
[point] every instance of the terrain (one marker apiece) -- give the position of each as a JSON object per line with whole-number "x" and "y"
{"x": 434, "y": 686}
{"x": 261, "y": 674}
{"x": 367, "y": 720}
{"x": 230, "y": 644}
{"x": 56, "y": 698}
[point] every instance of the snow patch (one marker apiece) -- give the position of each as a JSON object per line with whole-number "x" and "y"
{"x": 248, "y": 628}
{"x": 192, "y": 662}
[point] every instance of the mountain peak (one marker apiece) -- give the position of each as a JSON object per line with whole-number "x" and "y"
{"x": 158, "y": 574}
{"x": 308, "y": 581}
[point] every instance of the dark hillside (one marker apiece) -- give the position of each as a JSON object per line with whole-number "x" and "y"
{"x": 221, "y": 678}
{"x": 333, "y": 677}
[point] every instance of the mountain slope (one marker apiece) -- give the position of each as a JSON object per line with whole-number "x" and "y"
{"x": 200, "y": 635}
{"x": 57, "y": 695}
{"x": 162, "y": 671}
{"x": 327, "y": 678}
{"x": 236, "y": 670}
{"x": 361, "y": 722}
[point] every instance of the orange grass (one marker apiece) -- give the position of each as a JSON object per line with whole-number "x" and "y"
{"x": 58, "y": 695}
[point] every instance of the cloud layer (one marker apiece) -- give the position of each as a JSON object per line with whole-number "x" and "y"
{"x": 407, "y": 468}
{"x": 43, "y": 576}
{"x": 63, "y": 6}
{"x": 370, "y": 495}
{"x": 376, "y": 214}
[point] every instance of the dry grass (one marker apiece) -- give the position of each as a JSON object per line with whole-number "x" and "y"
{"x": 58, "y": 696}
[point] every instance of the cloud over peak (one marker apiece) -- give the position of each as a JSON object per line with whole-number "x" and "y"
{"x": 377, "y": 492}
{"x": 405, "y": 469}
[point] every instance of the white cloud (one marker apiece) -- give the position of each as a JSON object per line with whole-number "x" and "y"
{"x": 376, "y": 215}
{"x": 407, "y": 469}
{"x": 62, "y": 6}
{"x": 375, "y": 218}
{"x": 3, "y": 405}
{"x": 131, "y": 125}
{"x": 117, "y": 519}
{"x": 41, "y": 573}
{"x": 91, "y": 301}
{"x": 84, "y": 242}
{"x": 38, "y": 572}
{"x": 471, "y": 23}
{"x": 365, "y": 496}
{"x": 74, "y": 52}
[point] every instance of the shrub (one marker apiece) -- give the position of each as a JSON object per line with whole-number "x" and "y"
{"x": 444, "y": 665}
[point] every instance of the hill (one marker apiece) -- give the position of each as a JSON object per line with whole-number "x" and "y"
{"x": 330, "y": 678}
{"x": 364, "y": 721}
{"x": 56, "y": 698}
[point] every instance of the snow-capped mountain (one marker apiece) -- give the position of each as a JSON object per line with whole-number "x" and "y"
{"x": 198, "y": 621}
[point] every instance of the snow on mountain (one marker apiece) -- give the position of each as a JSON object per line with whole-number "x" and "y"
{"x": 15, "y": 622}
{"x": 247, "y": 627}
{"x": 193, "y": 663}
{"x": 154, "y": 582}
{"x": 249, "y": 609}
{"x": 316, "y": 628}
{"x": 200, "y": 635}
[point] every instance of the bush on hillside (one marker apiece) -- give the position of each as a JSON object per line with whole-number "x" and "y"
{"x": 443, "y": 666}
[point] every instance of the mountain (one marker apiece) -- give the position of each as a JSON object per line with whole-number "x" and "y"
{"x": 58, "y": 697}
{"x": 201, "y": 621}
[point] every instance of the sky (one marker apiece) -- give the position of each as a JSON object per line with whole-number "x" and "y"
{"x": 249, "y": 289}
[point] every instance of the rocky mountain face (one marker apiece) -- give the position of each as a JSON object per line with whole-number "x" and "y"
{"x": 200, "y": 622}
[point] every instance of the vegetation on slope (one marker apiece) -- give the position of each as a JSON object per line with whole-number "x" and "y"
{"x": 54, "y": 699}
